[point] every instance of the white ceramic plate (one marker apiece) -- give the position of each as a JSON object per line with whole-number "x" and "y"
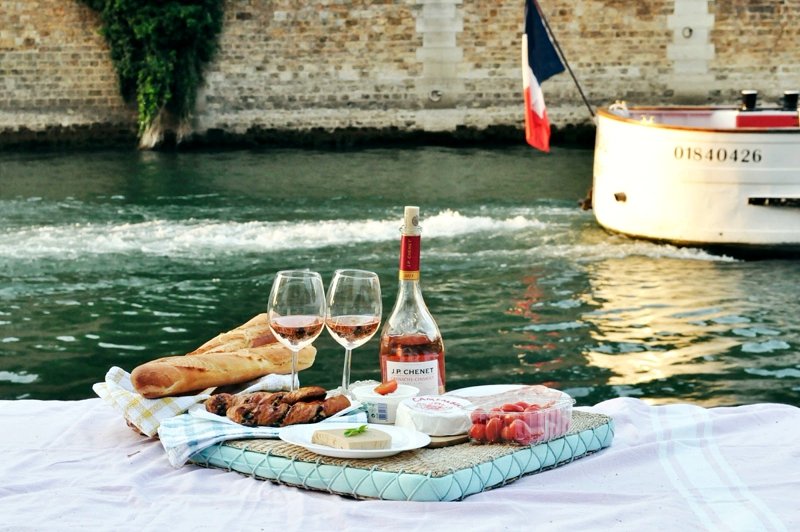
{"x": 402, "y": 440}
{"x": 488, "y": 389}
{"x": 199, "y": 410}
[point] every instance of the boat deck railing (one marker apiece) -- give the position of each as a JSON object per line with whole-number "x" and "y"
{"x": 714, "y": 118}
{"x": 705, "y": 118}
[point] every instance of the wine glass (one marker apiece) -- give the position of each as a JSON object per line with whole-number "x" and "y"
{"x": 296, "y": 311}
{"x": 354, "y": 312}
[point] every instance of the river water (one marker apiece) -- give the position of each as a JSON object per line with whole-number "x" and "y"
{"x": 113, "y": 258}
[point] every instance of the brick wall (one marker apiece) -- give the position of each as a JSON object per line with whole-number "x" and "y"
{"x": 411, "y": 65}
{"x": 55, "y": 72}
{"x": 758, "y": 46}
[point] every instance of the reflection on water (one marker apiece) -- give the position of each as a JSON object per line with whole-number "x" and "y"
{"x": 668, "y": 320}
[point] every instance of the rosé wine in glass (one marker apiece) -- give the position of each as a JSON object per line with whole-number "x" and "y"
{"x": 296, "y": 311}
{"x": 354, "y": 312}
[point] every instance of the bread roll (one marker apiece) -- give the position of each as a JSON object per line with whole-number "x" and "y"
{"x": 179, "y": 375}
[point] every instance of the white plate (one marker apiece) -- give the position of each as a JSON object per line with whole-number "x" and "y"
{"x": 199, "y": 411}
{"x": 487, "y": 389}
{"x": 402, "y": 440}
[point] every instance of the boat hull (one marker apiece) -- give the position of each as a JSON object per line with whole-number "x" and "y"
{"x": 690, "y": 185}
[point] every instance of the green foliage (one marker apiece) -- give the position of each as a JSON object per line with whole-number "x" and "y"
{"x": 159, "y": 48}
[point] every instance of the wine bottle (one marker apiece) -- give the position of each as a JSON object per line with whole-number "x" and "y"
{"x": 412, "y": 351}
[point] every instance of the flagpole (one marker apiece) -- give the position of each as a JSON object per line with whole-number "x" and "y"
{"x": 563, "y": 57}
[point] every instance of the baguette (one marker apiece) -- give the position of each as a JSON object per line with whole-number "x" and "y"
{"x": 240, "y": 355}
{"x": 178, "y": 375}
{"x": 251, "y": 334}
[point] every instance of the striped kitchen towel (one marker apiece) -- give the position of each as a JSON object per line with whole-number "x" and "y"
{"x": 183, "y": 436}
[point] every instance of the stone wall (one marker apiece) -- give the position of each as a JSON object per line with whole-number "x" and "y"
{"x": 56, "y": 76}
{"x": 400, "y": 65}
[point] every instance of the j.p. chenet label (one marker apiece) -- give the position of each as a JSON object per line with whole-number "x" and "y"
{"x": 422, "y": 375}
{"x": 718, "y": 155}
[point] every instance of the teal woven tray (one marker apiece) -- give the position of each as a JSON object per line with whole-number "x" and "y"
{"x": 443, "y": 474}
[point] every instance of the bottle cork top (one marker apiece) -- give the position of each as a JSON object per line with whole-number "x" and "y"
{"x": 411, "y": 221}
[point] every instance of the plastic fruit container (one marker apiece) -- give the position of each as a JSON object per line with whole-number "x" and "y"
{"x": 523, "y": 416}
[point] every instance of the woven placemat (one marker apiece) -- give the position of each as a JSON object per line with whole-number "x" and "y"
{"x": 432, "y": 462}
{"x": 446, "y": 473}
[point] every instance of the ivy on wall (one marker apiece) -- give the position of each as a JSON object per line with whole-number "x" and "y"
{"x": 160, "y": 48}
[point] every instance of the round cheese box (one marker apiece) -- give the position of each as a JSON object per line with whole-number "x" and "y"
{"x": 435, "y": 415}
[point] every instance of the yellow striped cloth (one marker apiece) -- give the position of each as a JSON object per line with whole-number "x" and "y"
{"x": 145, "y": 414}
{"x": 148, "y": 414}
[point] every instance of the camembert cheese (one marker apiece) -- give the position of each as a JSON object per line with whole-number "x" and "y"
{"x": 435, "y": 415}
{"x": 369, "y": 439}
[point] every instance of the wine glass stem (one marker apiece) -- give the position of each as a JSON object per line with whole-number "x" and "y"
{"x": 346, "y": 371}
{"x": 294, "y": 385}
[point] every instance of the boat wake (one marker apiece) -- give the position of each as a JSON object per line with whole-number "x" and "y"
{"x": 190, "y": 238}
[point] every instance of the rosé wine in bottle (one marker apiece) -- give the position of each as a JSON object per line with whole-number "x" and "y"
{"x": 412, "y": 350}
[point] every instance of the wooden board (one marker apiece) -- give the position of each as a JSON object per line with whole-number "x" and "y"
{"x": 446, "y": 441}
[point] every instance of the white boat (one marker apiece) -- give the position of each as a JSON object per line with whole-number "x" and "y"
{"x": 699, "y": 176}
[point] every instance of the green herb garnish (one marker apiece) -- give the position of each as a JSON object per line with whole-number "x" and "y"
{"x": 355, "y": 431}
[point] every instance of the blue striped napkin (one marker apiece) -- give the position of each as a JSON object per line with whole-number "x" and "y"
{"x": 187, "y": 434}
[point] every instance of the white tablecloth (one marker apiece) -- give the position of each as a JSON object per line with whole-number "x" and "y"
{"x": 76, "y": 465}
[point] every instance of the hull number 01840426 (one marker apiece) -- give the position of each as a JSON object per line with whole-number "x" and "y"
{"x": 719, "y": 155}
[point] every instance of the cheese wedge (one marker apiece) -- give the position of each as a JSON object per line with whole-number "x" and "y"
{"x": 369, "y": 439}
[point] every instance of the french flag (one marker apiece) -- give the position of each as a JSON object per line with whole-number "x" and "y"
{"x": 540, "y": 61}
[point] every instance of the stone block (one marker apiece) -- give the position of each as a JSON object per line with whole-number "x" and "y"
{"x": 440, "y": 54}
{"x": 439, "y": 39}
{"x": 441, "y": 23}
{"x": 690, "y": 52}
